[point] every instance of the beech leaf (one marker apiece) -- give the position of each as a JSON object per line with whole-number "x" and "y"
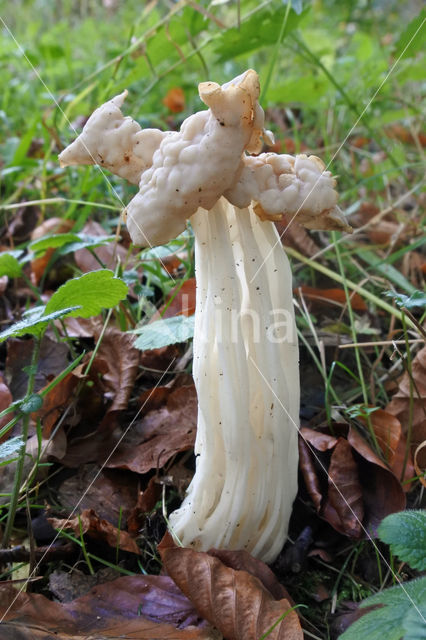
{"x": 235, "y": 602}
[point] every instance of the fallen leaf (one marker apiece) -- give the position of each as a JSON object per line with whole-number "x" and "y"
{"x": 180, "y": 301}
{"x": 109, "y": 255}
{"x": 235, "y": 602}
{"x": 146, "y": 502}
{"x": 331, "y": 296}
{"x": 114, "y": 609}
{"x": 243, "y": 561}
{"x": 310, "y": 476}
{"x": 52, "y": 361}
{"x": 89, "y": 522}
{"x": 112, "y": 494}
{"x": 174, "y": 100}
{"x": 320, "y": 440}
{"x": 387, "y": 430}
{"x": 54, "y": 403}
{"x": 161, "y": 434}
{"x": 366, "y": 488}
{"x": 47, "y": 227}
{"x": 399, "y": 406}
{"x": 344, "y": 491}
{"x": 294, "y": 235}
{"x": 123, "y": 362}
{"x": 5, "y": 401}
{"x": 421, "y": 473}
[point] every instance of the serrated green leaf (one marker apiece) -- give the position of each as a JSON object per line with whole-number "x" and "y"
{"x": 10, "y": 447}
{"x": 165, "y": 332}
{"x": 413, "y": 38}
{"x": 34, "y": 324}
{"x": 9, "y": 264}
{"x": 387, "y": 621}
{"x": 405, "y": 533}
{"x": 414, "y": 626}
{"x": 91, "y": 292}
{"x": 417, "y": 299}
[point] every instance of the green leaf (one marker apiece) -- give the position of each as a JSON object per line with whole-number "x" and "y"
{"x": 386, "y": 270}
{"x": 413, "y": 38}
{"x": 34, "y": 323}
{"x": 165, "y": 332}
{"x": 33, "y": 403}
{"x": 9, "y": 265}
{"x": 414, "y": 628}
{"x": 417, "y": 299}
{"x": 405, "y": 533}
{"x": 10, "y": 447}
{"x": 261, "y": 29}
{"x": 400, "y": 603}
{"x": 91, "y": 293}
{"x": 68, "y": 242}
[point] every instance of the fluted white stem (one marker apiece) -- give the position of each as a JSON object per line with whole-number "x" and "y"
{"x": 247, "y": 380}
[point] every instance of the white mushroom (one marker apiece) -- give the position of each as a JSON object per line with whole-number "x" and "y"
{"x": 245, "y": 346}
{"x": 114, "y": 142}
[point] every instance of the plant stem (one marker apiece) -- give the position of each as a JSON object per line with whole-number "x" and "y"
{"x": 21, "y": 459}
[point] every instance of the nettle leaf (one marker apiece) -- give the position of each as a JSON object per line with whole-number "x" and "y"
{"x": 401, "y": 605}
{"x": 405, "y": 533}
{"x": 414, "y": 629}
{"x": 68, "y": 242}
{"x": 9, "y": 264}
{"x": 91, "y": 293}
{"x": 417, "y": 299}
{"x": 34, "y": 323}
{"x": 165, "y": 332}
{"x": 10, "y": 447}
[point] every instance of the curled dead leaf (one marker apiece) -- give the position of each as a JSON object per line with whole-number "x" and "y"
{"x": 350, "y": 486}
{"x": 138, "y": 607}
{"x": 98, "y": 528}
{"x": 235, "y": 602}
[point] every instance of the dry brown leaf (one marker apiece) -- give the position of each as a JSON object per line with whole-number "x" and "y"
{"x": 108, "y": 254}
{"x": 307, "y": 467}
{"x": 421, "y": 473}
{"x": 5, "y": 401}
{"x": 399, "y": 406}
{"x": 387, "y": 430}
{"x": 111, "y": 493}
{"x": 320, "y": 440}
{"x": 89, "y": 522}
{"x": 138, "y": 607}
{"x": 47, "y": 227}
{"x": 55, "y": 402}
{"x": 174, "y": 100}
{"x": 334, "y": 296}
{"x": 180, "y": 301}
{"x": 243, "y": 561}
{"x": 344, "y": 491}
{"x": 296, "y": 236}
{"x": 367, "y": 484}
{"x": 160, "y": 434}
{"x": 234, "y": 602}
{"x": 123, "y": 362}
{"x": 146, "y": 502}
